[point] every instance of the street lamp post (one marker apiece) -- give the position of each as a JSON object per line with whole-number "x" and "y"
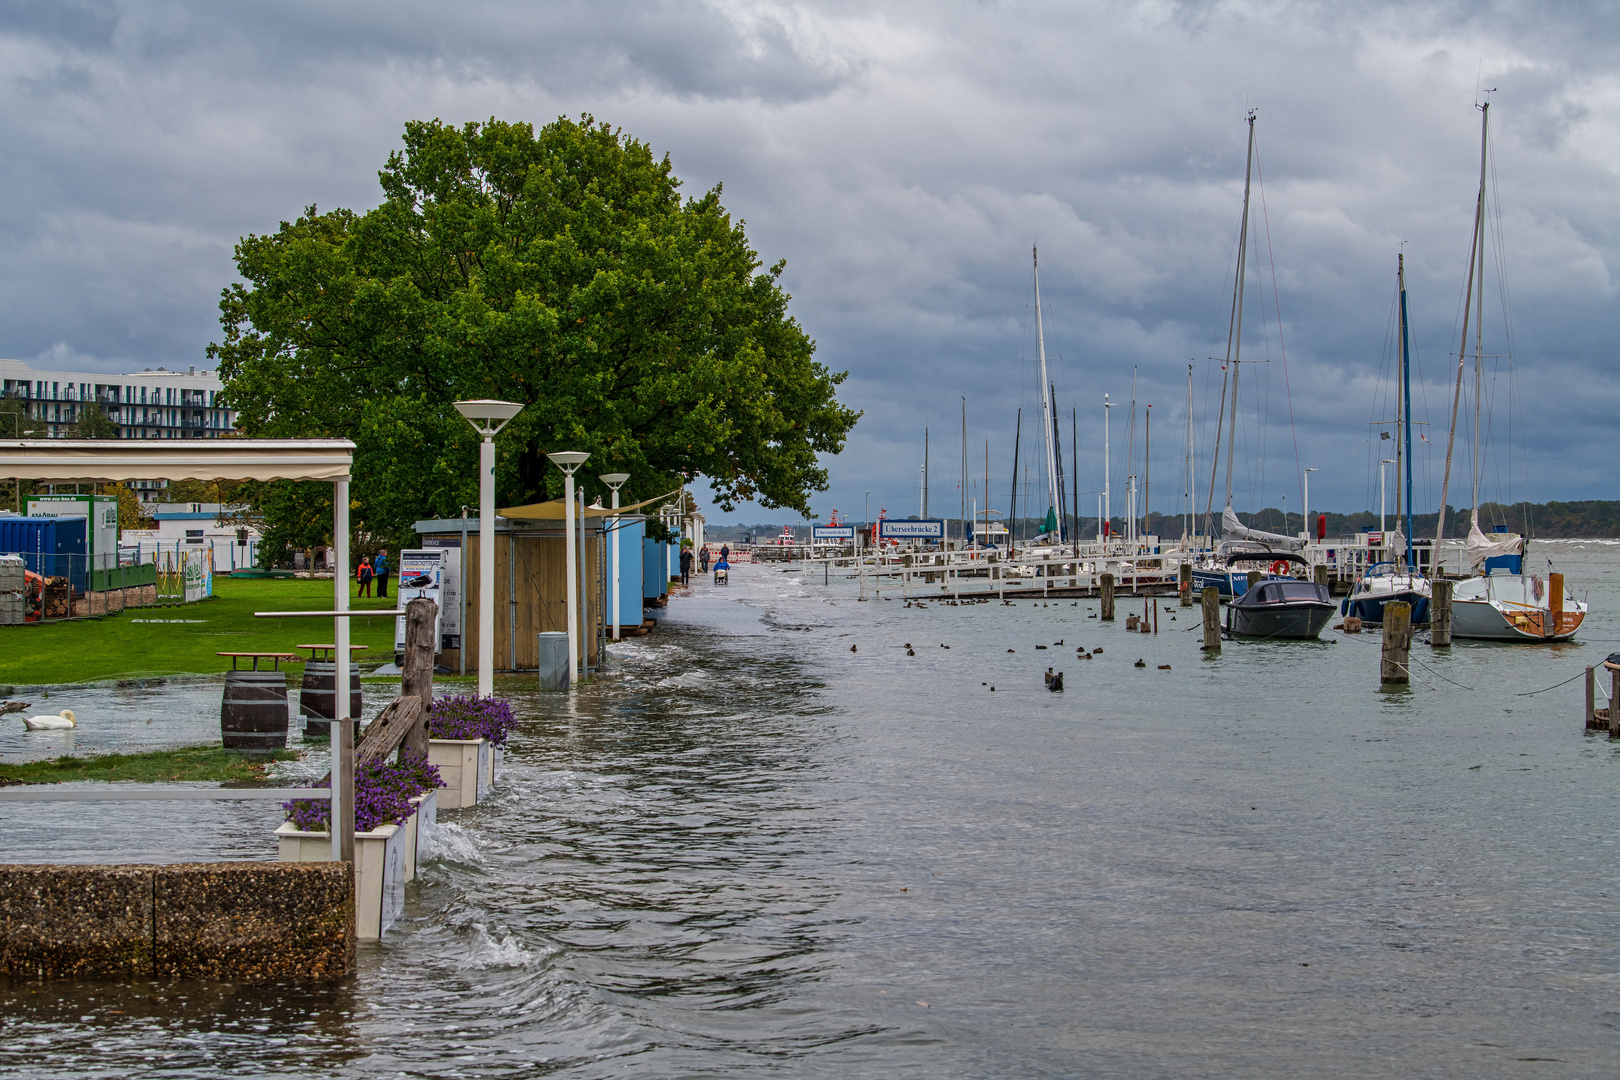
{"x": 568, "y": 461}
{"x": 1308, "y": 503}
{"x": 487, "y": 418}
{"x": 615, "y": 481}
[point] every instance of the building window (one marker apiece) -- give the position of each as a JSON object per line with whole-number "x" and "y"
{"x": 194, "y": 536}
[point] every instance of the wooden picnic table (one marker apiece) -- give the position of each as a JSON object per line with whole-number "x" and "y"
{"x": 313, "y": 649}
{"x": 275, "y": 657}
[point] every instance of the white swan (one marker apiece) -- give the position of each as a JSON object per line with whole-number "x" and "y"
{"x": 60, "y": 722}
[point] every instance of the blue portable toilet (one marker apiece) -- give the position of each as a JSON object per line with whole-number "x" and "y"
{"x": 632, "y": 566}
{"x": 652, "y": 570}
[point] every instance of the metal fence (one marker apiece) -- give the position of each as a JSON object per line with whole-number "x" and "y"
{"x": 40, "y": 587}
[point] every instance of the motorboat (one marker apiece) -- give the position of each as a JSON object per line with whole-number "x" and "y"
{"x": 1229, "y": 567}
{"x": 1283, "y": 609}
{"x": 1384, "y": 583}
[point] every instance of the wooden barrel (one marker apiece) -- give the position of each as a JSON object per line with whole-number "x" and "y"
{"x": 254, "y": 713}
{"x": 315, "y": 701}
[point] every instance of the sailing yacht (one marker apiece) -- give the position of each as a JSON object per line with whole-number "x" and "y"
{"x": 1500, "y": 602}
{"x": 1273, "y": 550}
{"x": 1398, "y": 581}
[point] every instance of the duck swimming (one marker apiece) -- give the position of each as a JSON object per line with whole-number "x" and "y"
{"x": 60, "y": 722}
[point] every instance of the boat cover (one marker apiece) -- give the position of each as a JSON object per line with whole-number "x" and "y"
{"x": 1482, "y": 547}
{"x": 1231, "y": 527}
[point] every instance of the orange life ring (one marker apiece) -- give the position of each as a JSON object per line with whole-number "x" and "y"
{"x": 1280, "y": 567}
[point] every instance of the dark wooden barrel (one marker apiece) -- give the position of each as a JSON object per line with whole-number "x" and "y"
{"x": 315, "y": 701}
{"x": 254, "y": 713}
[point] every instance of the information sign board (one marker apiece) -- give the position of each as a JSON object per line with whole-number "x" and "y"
{"x": 912, "y": 529}
{"x": 832, "y": 532}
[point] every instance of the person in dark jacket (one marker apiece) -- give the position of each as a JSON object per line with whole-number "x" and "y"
{"x": 381, "y": 569}
{"x": 686, "y": 566}
{"x": 703, "y": 560}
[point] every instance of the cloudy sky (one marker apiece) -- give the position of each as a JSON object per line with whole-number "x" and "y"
{"x": 904, "y": 158}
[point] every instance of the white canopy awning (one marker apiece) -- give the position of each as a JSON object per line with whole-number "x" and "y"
{"x": 111, "y": 460}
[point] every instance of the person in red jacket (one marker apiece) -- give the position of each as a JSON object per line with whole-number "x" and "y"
{"x": 363, "y": 575}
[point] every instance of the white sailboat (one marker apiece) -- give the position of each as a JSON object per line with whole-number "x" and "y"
{"x": 1240, "y": 544}
{"x": 1500, "y": 602}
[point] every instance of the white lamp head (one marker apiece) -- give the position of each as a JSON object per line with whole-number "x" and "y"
{"x": 488, "y": 416}
{"x": 568, "y": 460}
{"x": 614, "y": 479}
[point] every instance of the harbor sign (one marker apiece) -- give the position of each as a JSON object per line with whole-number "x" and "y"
{"x": 912, "y": 529}
{"x": 832, "y": 532}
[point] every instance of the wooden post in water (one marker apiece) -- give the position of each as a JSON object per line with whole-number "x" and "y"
{"x": 1212, "y": 620}
{"x": 1614, "y": 704}
{"x": 1591, "y": 698}
{"x": 1392, "y": 667}
{"x": 1319, "y": 573}
{"x": 1555, "y": 603}
{"x": 1440, "y": 614}
{"x": 1155, "y": 616}
{"x": 1254, "y": 578}
{"x": 1186, "y": 585}
{"x": 417, "y": 678}
{"x": 1108, "y": 598}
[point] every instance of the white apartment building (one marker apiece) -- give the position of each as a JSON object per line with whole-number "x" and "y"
{"x": 151, "y": 404}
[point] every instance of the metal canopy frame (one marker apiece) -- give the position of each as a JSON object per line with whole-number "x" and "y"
{"x": 113, "y": 460}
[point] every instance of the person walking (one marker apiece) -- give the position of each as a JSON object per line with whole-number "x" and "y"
{"x": 725, "y": 552}
{"x": 686, "y": 566}
{"x": 363, "y": 574}
{"x": 703, "y": 560}
{"x": 381, "y": 569}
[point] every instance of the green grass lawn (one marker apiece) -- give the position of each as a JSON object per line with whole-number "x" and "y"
{"x": 129, "y": 644}
{"x": 182, "y": 763}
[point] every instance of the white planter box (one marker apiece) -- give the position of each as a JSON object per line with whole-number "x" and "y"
{"x": 464, "y": 765}
{"x": 379, "y": 871}
{"x": 417, "y": 827}
{"x": 495, "y": 756}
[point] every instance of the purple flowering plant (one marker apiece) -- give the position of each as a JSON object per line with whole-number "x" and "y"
{"x": 471, "y": 717}
{"x": 382, "y": 795}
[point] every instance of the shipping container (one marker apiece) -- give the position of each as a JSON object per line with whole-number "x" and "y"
{"x": 49, "y": 546}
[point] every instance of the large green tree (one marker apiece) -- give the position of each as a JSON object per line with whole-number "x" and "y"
{"x": 559, "y": 268}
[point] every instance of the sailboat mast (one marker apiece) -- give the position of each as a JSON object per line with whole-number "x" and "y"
{"x": 1047, "y": 405}
{"x": 1074, "y": 474}
{"x": 963, "y": 519}
{"x": 1147, "y": 462}
{"x": 1057, "y": 454}
{"x": 1468, "y": 299}
{"x": 1406, "y": 409}
{"x": 1234, "y": 341}
{"x": 1192, "y": 481}
{"x": 1479, "y": 305}
{"x": 925, "y": 472}
{"x": 1108, "y": 506}
{"x": 1012, "y": 500}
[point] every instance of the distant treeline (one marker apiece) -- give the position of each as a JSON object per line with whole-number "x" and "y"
{"x": 1590, "y": 519}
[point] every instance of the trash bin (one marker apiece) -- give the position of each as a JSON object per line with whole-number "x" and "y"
{"x": 553, "y": 652}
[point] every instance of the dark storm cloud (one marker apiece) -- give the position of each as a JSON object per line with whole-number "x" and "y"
{"x": 903, "y": 158}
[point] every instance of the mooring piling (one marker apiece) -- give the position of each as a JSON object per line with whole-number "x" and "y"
{"x": 1614, "y": 704}
{"x": 1212, "y": 620}
{"x": 1185, "y": 588}
{"x": 1440, "y": 614}
{"x": 1392, "y": 666}
{"x": 1107, "y": 588}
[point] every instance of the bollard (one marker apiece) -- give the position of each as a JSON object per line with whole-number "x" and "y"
{"x": 1591, "y": 699}
{"x": 1440, "y": 614}
{"x": 1397, "y": 641}
{"x": 1186, "y": 585}
{"x": 1130, "y": 623}
{"x": 1108, "y": 598}
{"x": 1212, "y": 620}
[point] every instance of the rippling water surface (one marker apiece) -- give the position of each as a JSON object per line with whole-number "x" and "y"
{"x": 753, "y": 850}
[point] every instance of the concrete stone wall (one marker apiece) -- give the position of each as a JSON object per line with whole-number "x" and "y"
{"x": 240, "y": 922}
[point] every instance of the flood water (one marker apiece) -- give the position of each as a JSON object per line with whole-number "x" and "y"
{"x": 751, "y": 850}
